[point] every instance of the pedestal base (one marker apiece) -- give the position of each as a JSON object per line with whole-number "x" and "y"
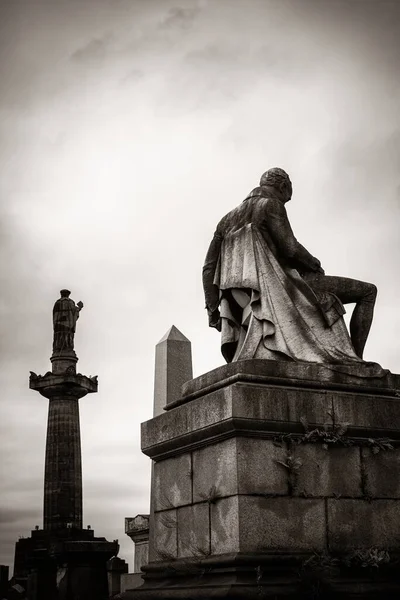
{"x": 82, "y": 569}
{"x": 68, "y": 564}
{"x": 254, "y": 577}
{"x": 276, "y": 487}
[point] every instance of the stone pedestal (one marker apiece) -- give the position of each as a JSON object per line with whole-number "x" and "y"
{"x": 82, "y": 569}
{"x": 276, "y": 480}
{"x": 68, "y": 564}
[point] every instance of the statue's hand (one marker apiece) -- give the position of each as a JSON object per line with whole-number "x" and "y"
{"x": 80, "y": 305}
{"x": 214, "y": 319}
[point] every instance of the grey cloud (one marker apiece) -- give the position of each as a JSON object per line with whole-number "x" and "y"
{"x": 93, "y": 53}
{"x": 133, "y": 76}
{"x": 18, "y": 516}
{"x": 179, "y": 18}
{"x": 371, "y": 165}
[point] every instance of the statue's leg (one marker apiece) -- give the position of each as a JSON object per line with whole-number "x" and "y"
{"x": 350, "y": 291}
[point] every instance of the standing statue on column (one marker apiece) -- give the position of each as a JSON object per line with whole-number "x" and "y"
{"x": 65, "y": 316}
{"x": 269, "y": 296}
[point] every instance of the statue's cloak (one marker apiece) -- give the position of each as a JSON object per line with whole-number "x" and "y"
{"x": 281, "y": 318}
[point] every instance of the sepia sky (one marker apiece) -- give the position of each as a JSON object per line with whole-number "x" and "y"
{"x": 128, "y": 128}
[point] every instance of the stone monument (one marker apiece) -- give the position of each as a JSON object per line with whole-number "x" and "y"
{"x": 173, "y": 368}
{"x": 137, "y": 528}
{"x": 277, "y": 475}
{"x": 63, "y": 561}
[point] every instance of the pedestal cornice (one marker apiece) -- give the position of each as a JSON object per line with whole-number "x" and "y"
{"x": 290, "y": 374}
{"x": 264, "y": 399}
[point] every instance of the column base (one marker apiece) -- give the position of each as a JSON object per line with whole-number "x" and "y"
{"x": 68, "y": 564}
{"x": 82, "y": 568}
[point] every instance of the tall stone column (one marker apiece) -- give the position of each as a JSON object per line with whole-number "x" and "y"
{"x": 63, "y": 561}
{"x": 63, "y": 387}
{"x": 63, "y": 469}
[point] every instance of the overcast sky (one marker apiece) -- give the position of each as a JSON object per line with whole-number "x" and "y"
{"x": 128, "y": 128}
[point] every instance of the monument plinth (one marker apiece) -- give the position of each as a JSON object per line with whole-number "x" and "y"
{"x": 271, "y": 479}
{"x": 63, "y": 561}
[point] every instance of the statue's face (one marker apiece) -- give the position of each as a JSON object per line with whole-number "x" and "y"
{"x": 288, "y": 192}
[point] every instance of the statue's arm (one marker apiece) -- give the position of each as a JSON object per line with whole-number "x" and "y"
{"x": 280, "y": 230}
{"x": 211, "y": 291}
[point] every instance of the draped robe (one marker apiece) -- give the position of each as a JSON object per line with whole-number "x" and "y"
{"x": 267, "y": 309}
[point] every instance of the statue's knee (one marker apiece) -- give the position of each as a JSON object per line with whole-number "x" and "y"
{"x": 371, "y": 292}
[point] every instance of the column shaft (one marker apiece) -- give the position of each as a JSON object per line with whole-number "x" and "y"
{"x": 63, "y": 467}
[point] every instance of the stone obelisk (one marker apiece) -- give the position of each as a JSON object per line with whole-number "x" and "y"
{"x": 173, "y": 368}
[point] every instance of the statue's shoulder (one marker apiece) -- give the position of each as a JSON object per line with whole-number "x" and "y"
{"x": 262, "y": 205}
{"x": 271, "y": 205}
{"x": 63, "y": 304}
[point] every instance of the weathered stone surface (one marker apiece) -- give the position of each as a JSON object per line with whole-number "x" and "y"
{"x": 225, "y": 525}
{"x": 215, "y": 471}
{"x": 165, "y": 536}
{"x": 141, "y": 555}
{"x": 281, "y": 524}
{"x": 363, "y": 524}
{"x": 299, "y": 375}
{"x": 312, "y": 405}
{"x": 173, "y": 368}
{"x": 194, "y": 530}
{"x": 328, "y": 472}
{"x": 172, "y": 482}
{"x": 262, "y": 410}
{"x": 137, "y": 527}
{"x": 368, "y": 411}
{"x": 260, "y": 403}
{"x": 207, "y": 411}
{"x": 252, "y": 577}
{"x": 130, "y": 581}
{"x": 258, "y": 468}
{"x": 382, "y": 473}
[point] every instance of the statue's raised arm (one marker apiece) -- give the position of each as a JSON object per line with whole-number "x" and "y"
{"x": 270, "y": 297}
{"x": 65, "y": 316}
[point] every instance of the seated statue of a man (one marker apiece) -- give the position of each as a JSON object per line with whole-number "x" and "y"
{"x": 269, "y": 297}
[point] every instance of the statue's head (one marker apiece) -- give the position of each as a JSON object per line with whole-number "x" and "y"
{"x": 65, "y": 293}
{"x": 279, "y": 180}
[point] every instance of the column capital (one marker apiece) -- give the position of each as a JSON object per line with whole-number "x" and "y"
{"x": 64, "y": 385}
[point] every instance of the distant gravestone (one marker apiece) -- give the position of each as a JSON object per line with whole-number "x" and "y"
{"x": 3, "y": 580}
{"x": 173, "y": 368}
